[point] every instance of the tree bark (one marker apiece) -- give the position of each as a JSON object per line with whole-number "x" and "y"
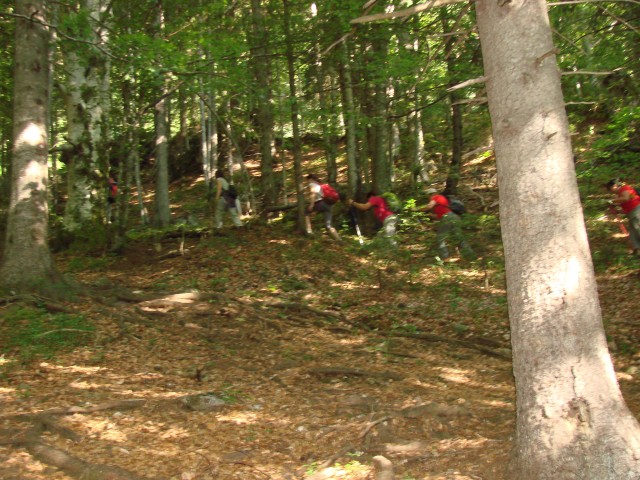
{"x": 381, "y": 163}
{"x": 87, "y": 99}
{"x": 162, "y": 203}
{"x": 27, "y": 262}
{"x": 572, "y": 421}
{"x": 349, "y": 120}
{"x": 264, "y": 114}
{"x": 295, "y": 119}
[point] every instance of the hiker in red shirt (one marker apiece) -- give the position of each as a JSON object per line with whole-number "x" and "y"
{"x": 448, "y": 225}
{"x": 383, "y": 213}
{"x": 629, "y": 201}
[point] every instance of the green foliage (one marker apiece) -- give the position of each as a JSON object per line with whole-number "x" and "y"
{"x": 30, "y": 333}
{"x": 618, "y": 146}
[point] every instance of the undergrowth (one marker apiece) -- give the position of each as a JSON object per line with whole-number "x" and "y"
{"x": 29, "y": 333}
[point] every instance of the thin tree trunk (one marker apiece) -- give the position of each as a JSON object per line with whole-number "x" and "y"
{"x": 297, "y": 143}
{"x": 572, "y": 421}
{"x": 349, "y": 120}
{"x": 453, "y": 177}
{"x": 264, "y": 115}
{"x": 162, "y": 203}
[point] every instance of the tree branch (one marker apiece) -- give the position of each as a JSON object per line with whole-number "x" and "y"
{"x": 403, "y": 13}
{"x": 473, "y": 81}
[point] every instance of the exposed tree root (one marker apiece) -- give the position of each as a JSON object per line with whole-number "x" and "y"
{"x": 355, "y": 372}
{"x": 429, "y": 337}
{"x": 75, "y": 467}
{"x": 30, "y": 439}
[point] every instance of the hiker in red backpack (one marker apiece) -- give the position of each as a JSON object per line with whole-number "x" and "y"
{"x": 321, "y": 199}
{"x": 629, "y": 201}
{"x": 383, "y": 213}
{"x": 448, "y": 225}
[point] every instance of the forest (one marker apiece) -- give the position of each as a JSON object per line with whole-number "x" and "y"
{"x": 180, "y": 299}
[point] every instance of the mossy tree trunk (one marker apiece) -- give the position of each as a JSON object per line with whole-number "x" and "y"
{"x": 87, "y": 99}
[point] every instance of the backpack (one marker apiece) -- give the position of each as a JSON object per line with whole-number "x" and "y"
{"x": 232, "y": 192}
{"x": 456, "y": 205}
{"x": 113, "y": 188}
{"x": 329, "y": 194}
{"x": 393, "y": 202}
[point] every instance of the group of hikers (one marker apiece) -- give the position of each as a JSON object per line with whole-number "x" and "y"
{"x": 321, "y": 198}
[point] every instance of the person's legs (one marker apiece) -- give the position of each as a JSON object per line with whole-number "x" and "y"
{"x": 328, "y": 217}
{"x": 389, "y": 229}
{"x": 233, "y": 211}
{"x": 442, "y": 234}
{"x": 221, "y": 206}
{"x": 307, "y": 222}
{"x": 634, "y": 228}
{"x": 461, "y": 241}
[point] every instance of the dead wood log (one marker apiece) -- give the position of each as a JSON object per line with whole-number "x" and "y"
{"x": 280, "y": 208}
{"x": 354, "y": 372}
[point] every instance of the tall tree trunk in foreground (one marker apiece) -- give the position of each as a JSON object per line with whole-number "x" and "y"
{"x": 27, "y": 262}
{"x": 572, "y": 421}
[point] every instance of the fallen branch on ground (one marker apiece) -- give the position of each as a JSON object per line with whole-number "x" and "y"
{"x": 429, "y": 337}
{"x": 355, "y": 372}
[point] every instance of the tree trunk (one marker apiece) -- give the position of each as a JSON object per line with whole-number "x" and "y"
{"x": 327, "y": 120}
{"x": 88, "y": 104}
{"x": 381, "y": 163}
{"x": 451, "y": 185}
{"x": 162, "y": 204}
{"x": 264, "y": 114}
{"x": 572, "y": 421}
{"x": 349, "y": 120}
{"x": 27, "y": 262}
{"x": 295, "y": 119}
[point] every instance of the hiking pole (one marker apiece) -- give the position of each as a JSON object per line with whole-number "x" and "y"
{"x": 352, "y": 213}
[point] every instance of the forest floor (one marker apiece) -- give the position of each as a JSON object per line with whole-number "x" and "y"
{"x": 261, "y": 354}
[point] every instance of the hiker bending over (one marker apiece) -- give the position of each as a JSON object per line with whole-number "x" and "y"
{"x": 319, "y": 201}
{"x": 225, "y": 201}
{"x": 448, "y": 225}
{"x": 629, "y": 201}
{"x": 383, "y": 213}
